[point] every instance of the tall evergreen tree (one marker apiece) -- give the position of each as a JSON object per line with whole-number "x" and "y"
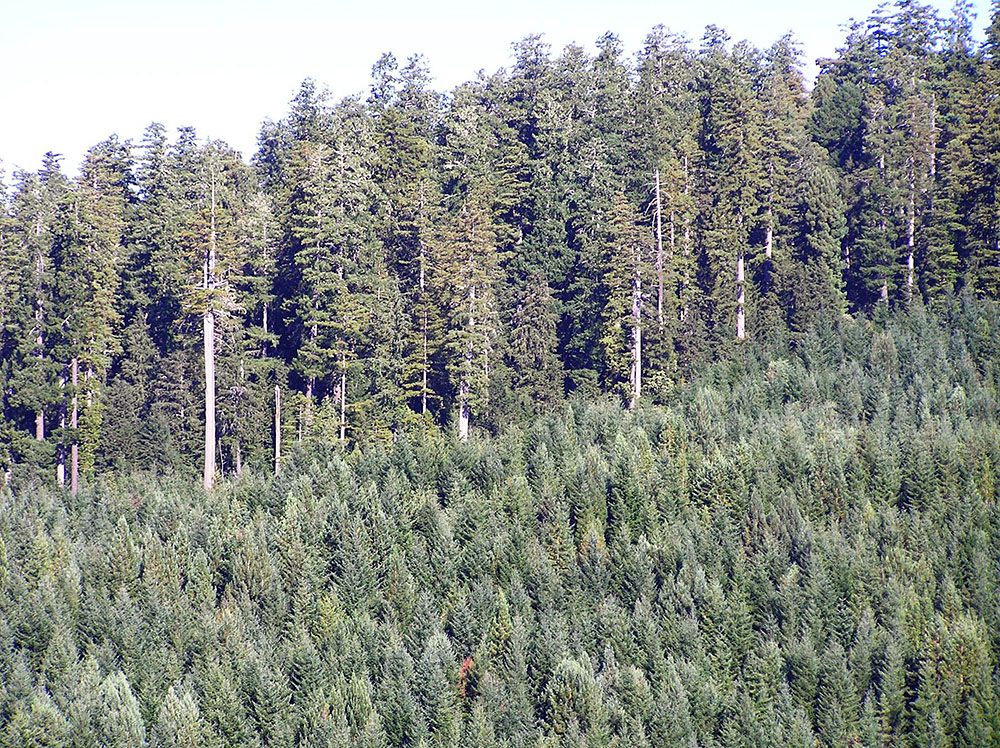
{"x": 470, "y": 273}
{"x": 622, "y": 323}
{"x": 731, "y": 139}
{"x": 89, "y": 287}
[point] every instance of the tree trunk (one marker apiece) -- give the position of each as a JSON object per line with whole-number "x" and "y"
{"x": 932, "y": 144}
{"x": 209, "y": 331}
{"x": 61, "y": 454}
{"x": 238, "y": 449}
{"x": 343, "y": 399}
{"x": 685, "y": 278}
{"x": 209, "y": 342}
{"x": 769, "y": 234}
{"x": 769, "y": 229}
{"x": 277, "y": 428}
{"x": 741, "y": 332}
{"x": 884, "y": 291}
{"x": 263, "y": 321}
{"x": 636, "y": 373}
{"x": 89, "y": 409}
{"x": 672, "y": 254}
{"x": 463, "y": 387}
{"x": 40, "y": 339}
{"x": 659, "y": 255}
{"x": 423, "y": 316}
{"x": 463, "y": 410}
{"x": 310, "y": 391}
{"x": 911, "y": 220}
{"x": 74, "y": 450}
{"x": 423, "y": 388}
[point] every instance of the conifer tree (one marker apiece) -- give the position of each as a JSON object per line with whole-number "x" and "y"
{"x": 39, "y": 213}
{"x": 210, "y": 235}
{"x": 120, "y": 721}
{"x": 983, "y": 254}
{"x": 179, "y": 722}
{"x": 784, "y": 105}
{"x": 470, "y": 270}
{"x": 532, "y": 346}
{"x": 731, "y": 139}
{"x": 622, "y": 323}
{"x": 814, "y": 288}
{"x": 404, "y": 171}
{"x": 89, "y": 281}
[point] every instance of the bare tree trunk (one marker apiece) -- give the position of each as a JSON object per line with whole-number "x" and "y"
{"x": 40, "y": 339}
{"x": 636, "y": 332}
{"x": 343, "y": 399}
{"x": 40, "y": 414}
{"x": 209, "y": 343}
{"x": 423, "y": 387}
{"x": 463, "y": 387}
{"x": 238, "y": 449}
{"x": 932, "y": 145}
{"x": 423, "y": 320}
{"x": 263, "y": 317}
{"x": 659, "y": 254}
{"x": 277, "y": 428}
{"x": 741, "y": 332}
{"x": 672, "y": 254}
{"x": 61, "y": 454}
{"x": 310, "y": 391}
{"x": 769, "y": 234}
{"x": 463, "y": 409}
{"x": 884, "y": 291}
{"x": 74, "y": 450}
{"x": 911, "y": 220}
{"x": 209, "y": 338}
{"x": 769, "y": 228}
{"x": 264, "y": 325}
{"x": 685, "y": 279}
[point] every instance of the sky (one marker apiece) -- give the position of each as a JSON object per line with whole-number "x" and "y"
{"x": 72, "y": 72}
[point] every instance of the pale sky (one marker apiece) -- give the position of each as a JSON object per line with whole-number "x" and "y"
{"x": 72, "y": 72}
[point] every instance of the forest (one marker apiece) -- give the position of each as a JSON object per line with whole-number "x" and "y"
{"x": 604, "y": 400}
{"x": 799, "y": 552}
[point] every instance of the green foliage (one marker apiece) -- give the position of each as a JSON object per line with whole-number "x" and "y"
{"x": 754, "y": 560}
{"x": 388, "y": 261}
{"x": 790, "y": 540}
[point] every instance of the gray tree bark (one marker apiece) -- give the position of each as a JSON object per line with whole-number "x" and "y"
{"x": 209, "y": 345}
{"x": 277, "y": 428}
{"x": 74, "y": 450}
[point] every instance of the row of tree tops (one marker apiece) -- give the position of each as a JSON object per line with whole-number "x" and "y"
{"x": 577, "y": 223}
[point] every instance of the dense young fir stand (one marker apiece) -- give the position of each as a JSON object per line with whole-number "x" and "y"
{"x": 600, "y": 401}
